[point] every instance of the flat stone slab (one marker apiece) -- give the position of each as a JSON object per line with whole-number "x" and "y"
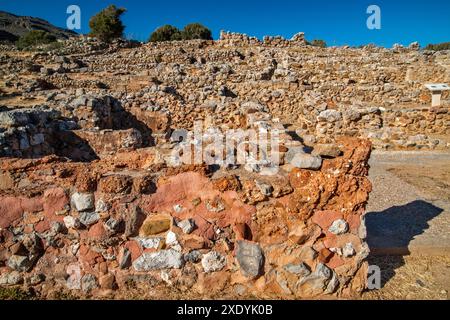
{"x": 402, "y": 218}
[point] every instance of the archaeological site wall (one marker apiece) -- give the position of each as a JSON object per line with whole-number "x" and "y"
{"x": 102, "y": 193}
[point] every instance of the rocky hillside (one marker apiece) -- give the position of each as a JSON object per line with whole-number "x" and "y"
{"x": 12, "y": 27}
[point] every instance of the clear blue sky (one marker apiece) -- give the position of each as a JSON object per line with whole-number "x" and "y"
{"x": 338, "y": 22}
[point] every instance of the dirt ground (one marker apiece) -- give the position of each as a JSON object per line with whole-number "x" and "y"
{"x": 412, "y": 277}
{"x": 397, "y": 179}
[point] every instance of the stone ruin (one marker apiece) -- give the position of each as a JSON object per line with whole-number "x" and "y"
{"x": 94, "y": 203}
{"x": 130, "y": 213}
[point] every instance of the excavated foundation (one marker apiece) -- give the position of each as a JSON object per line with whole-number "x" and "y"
{"x": 131, "y": 222}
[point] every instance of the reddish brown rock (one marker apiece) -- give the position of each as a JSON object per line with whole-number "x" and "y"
{"x": 134, "y": 249}
{"x": 107, "y": 281}
{"x": 115, "y": 183}
{"x": 55, "y": 201}
{"x": 227, "y": 183}
{"x": 97, "y": 232}
{"x": 12, "y": 208}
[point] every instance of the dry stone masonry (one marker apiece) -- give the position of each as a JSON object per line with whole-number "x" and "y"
{"x": 101, "y": 197}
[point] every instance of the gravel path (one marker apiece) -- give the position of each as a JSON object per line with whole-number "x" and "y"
{"x": 408, "y": 224}
{"x": 409, "y": 216}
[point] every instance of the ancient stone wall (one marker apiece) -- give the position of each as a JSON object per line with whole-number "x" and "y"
{"x": 388, "y": 129}
{"x": 101, "y": 195}
{"x": 27, "y": 132}
{"x": 90, "y": 229}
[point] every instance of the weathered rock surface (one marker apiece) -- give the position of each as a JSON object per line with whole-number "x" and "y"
{"x": 164, "y": 259}
{"x": 213, "y": 261}
{"x": 250, "y": 258}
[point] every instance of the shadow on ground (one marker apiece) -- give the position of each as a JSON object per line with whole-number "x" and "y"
{"x": 124, "y": 119}
{"x": 390, "y": 232}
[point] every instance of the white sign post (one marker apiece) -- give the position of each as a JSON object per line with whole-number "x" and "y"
{"x": 436, "y": 92}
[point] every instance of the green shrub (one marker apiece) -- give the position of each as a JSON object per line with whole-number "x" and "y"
{"x": 15, "y": 293}
{"x": 54, "y": 46}
{"x": 171, "y": 33}
{"x": 438, "y": 47}
{"x": 196, "y": 31}
{"x": 165, "y": 33}
{"x": 318, "y": 43}
{"x": 34, "y": 38}
{"x": 106, "y": 25}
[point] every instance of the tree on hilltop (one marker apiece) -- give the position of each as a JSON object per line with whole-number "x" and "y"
{"x": 190, "y": 32}
{"x": 106, "y": 25}
{"x": 318, "y": 43}
{"x": 165, "y": 33}
{"x": 196, "y": 31}
{"x": 438, "y": 47}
